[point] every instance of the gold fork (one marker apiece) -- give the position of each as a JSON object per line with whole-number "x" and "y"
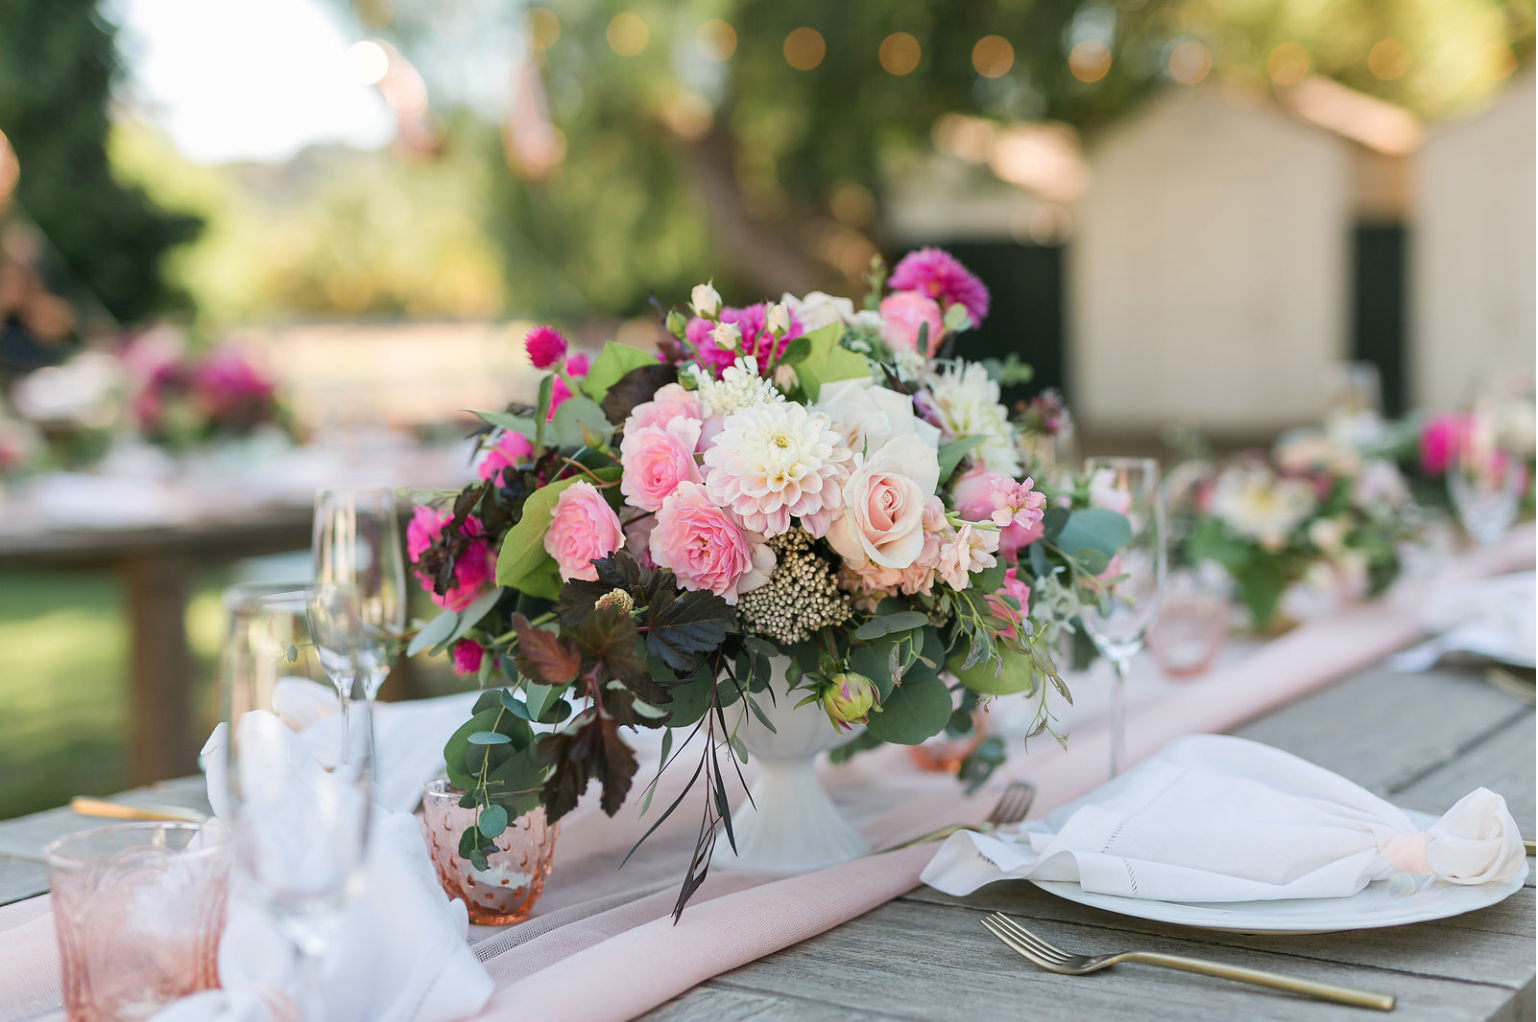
{"x": 1054, "y": 959}
{"x": 1011, "y": 807}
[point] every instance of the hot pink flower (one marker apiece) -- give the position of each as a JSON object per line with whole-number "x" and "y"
{"x": 467, "y": 656}
{"x": 507, "y": 452}
{"x": 583, "y": 529}
{"x": 655, "y": 459}
{"x": 705, "y": 547}
{"x": 545, "y": 346}
{"x": 576, "y": 368}
{"x": 937, "y": 273}
{"x": 1440, "y": 439}
{"x": 757, "y": 341}
{"x": 1013, "y": 586}
{"x": 670, "y": 401}
{"x": 902, "y": 316}
{"x": 474, "y": 570}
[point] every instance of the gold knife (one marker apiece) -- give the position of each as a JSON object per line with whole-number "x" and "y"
{"x": 118, "y": 811}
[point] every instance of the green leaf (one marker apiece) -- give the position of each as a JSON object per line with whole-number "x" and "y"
{"x": 902, "y": 621}
{"x": 510, "y": 422}
{"x": 611, "y": 364}
{"x": 489, "y": 738}
{"x": 542, "y": 411}
{"x": 872, "y": 661}
{"x": 573, "y": 415}
{"x": 826, "y": 361}
{"x": 796, "y": 351}
{"x": 1097, "y": 527}
{"x": 539, "y": 698}
{"x": 471, "y": 615}
{"x": 516, "y": 783}
{"x": 1092, "y": 560}
{"x": 523, "y": 563}
{"x": 950, "y": 454}
{"x": 434, "y": 633}
{"x": 690, "y": 698}
{"x": 917, "y": 709}
{"x": 493, "y": 821}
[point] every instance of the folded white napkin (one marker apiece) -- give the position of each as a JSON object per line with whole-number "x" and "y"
{"x": 1215, "y": 818}
{"x": 1492, "y": 617}
{"x": 399, "y": 953}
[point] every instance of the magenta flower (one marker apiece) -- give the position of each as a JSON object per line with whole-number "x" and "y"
{"x": 467, "y": 656}
{"x": 936, "y": 273}
{"x": 1440, "y": 437}
{"x": 508, "y": 452}
{"x": 757, "y": 341}
{"x": 474, "y": 570}
{"x": 545, "y": 346}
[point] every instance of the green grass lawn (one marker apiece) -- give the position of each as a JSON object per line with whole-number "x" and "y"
{"x": 64, "y": 682}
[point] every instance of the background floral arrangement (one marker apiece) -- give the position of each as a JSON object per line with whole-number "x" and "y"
{"x": 798, "y": 489}
{"x": 1320, "y": 510}
{"x": 217, "y": 394}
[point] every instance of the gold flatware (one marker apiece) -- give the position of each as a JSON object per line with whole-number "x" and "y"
{"x": 1531, "y": 847}
{"x": 1511, "y": 684}
{"x": 118, "y": 811}
{"x": 1033, "y": 949}
{"x": 1010, "y": 808}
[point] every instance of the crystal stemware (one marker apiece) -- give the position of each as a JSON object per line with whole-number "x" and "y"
{"x": 359, "y": 606}
{"x": 296, "y": 773}
{"x": 1135, "y": 576}
{"x": 1486, "y": 473}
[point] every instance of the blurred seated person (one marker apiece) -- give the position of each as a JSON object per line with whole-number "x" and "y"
{"x": 36, "y": 326}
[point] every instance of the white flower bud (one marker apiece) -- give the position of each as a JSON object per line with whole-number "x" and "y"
{"x": 785, "y": 377}
{"x": 778, "y": 319}
{"x": 727, "y": 336}
{"x": 706, "y": 301}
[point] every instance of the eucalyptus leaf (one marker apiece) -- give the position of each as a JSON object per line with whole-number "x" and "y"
{"x": 471, "y": 615}
{"x": 434, "y": 633}
{"x": 903, "y": 621}
{"x": 916, "y": 710}
{"x": 510, "y": 422}
{"x": 493, "y": 821}
{"x": 489, "y": 738}
{"x": 1097, "y": 527}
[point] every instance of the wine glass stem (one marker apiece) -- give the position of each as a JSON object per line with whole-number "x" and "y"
{"x": 1119, "y": 715}
{"x": 310, "y": 990}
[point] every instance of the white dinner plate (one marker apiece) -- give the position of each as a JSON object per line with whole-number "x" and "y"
{"x": 1396, "y": 901}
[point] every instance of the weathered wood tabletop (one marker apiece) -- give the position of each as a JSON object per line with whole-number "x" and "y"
{"x": 1422, "y": 741}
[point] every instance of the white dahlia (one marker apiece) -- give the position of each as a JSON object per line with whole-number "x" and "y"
{"x": 1256, "y": 503}
{"x": 739, "y": 387}
{"x": 775, "y": 460}
{"x": 967, "y": 400}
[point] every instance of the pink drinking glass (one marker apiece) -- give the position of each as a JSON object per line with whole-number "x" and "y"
{"x": 507, "y": 890}
{"x": 138, "y": 908}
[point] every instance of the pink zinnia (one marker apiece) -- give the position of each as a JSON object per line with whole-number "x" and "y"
{"x": 757, "y": 341}
{"x": 545, "y": 346}
{"x": 936, "y": 273}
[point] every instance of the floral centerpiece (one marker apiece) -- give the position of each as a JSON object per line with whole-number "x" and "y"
{"x": 1318, "y": 515}
{"x": 219, "y": 394}
{"x": 797, "y": 500}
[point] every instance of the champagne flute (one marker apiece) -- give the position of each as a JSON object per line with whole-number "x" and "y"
{"x": 296, "y": 775}
{"x": 1118, "y": 622}
{"x": 358, "y": 609}
{"x": 1486, "y": 473}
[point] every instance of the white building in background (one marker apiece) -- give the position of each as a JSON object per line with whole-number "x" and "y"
{"x": 1209, "y": 272}
{"x": 1472, "y": 250}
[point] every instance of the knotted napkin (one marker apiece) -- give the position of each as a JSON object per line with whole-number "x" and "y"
{"x": 1216, "y": 818}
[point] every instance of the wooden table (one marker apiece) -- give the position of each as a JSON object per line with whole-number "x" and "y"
{"x": 158, "y": 567}
{"x": 1421, "y": 740}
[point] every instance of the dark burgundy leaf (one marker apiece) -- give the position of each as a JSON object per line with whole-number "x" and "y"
{"x": 544, "y": 655}
{"x": 682, "y": 625}
{"x": 636, "y": 387}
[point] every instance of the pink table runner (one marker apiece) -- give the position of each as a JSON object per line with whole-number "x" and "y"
{"x": 596, "y": 920}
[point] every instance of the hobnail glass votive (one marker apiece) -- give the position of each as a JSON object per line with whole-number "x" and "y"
{"x": 506, "y": 891}
{"x": 139, "y": 909}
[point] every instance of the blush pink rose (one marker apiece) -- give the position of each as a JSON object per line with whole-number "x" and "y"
{"x": 671, "y": 401}
{"x": 583, "y": 529}
{"x": 655, "y": 459}
{"x": 706, "y": 548}
{"x": 882, "y": 520}
{"x": 474, "y": 570}
{"x": 508, "y": 452}
{"x": 903, "y": 313}
{"x": 1013, "y": 586}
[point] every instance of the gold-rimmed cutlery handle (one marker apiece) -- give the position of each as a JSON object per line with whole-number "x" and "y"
{"x": 1530, "y": 847}
{"x": 934, "y": 835}
{"x": 117, "y": 811}
{"x": 1259, "y": 977}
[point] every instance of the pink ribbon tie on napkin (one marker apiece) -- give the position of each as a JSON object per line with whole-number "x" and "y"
{"x": 1475, "y": 842}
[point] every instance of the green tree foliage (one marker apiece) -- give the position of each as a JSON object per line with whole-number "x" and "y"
{"x": 57, "y": 64}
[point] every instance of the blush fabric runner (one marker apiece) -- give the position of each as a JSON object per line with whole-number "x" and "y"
{"x": 596, "y": 919}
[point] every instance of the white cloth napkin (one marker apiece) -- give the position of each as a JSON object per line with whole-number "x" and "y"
{"x": 399, "y": 953}
{"x": 1494, "y": 617}
{"x": 1215, "y": 818}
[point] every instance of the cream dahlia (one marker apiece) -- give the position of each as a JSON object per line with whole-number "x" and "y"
{"x": 967, "y": 400}
{"x": 772, "y": 461}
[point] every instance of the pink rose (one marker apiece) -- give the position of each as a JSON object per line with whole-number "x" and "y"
{"x": 511, "y": 449}
{"x": 583, "y": 529}
{"x": 705, "y": 547}
{"x": 671, "y": 401}
{"x": 903, "y": 313}
{"x": 884, "y": 500}
{"x": 474, "y": 570}
{"x": 467, "y": 656}
{"x": 1439, "y": 440}
{"x": 1013, "y": 586}
{"x": 655, "y": 459}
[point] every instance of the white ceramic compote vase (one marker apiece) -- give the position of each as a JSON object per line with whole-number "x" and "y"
{"x": 789, "y": 824}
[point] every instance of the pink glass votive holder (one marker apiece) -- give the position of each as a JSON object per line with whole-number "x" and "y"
{"x": 1188, "y": 633}
{"x": 139, "y": 909}
{"x": 506, "y": 891}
